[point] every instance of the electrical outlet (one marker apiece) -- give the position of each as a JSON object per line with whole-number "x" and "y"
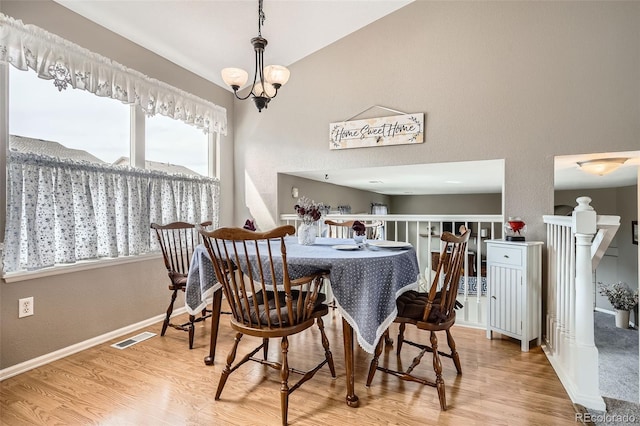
{"x": 25, "y": 307}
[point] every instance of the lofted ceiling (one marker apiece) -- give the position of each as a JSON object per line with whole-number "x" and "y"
{"x": 204, "y": 36}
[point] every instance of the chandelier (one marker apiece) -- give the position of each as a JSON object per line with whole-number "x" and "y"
{"x": 266, "y": 80}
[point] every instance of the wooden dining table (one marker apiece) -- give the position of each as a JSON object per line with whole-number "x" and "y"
{"x": 365, "y": 280}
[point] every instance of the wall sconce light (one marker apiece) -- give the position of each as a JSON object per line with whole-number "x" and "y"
{"x": 602, "y": 166}
{"x": 294, "y": 192}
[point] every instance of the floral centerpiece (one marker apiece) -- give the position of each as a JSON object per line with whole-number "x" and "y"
{"x": 309, "y": 212}
{"x": 358, "y": 231}
{"x": 622, "y": 299}
{"x": 358, "y": 228}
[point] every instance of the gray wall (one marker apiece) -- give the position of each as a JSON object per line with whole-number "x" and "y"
{"x": 447, "y": 204}
{"x": 327, "y": 193}
{"x": 360, "y": 201}
{"x": 74, "y": 307}
{"x": 523, "y": 81}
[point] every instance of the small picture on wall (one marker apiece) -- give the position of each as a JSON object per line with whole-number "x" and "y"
{"x": 634, "y": 231}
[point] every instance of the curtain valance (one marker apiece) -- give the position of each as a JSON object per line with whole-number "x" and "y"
{"x": 67, "y": 64}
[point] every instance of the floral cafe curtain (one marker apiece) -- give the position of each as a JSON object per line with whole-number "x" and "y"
{"x": 61, "y": 211}
{"x": 67, "y": 64}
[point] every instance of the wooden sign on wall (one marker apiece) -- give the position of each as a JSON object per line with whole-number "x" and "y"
{"x": 381, "y": 131}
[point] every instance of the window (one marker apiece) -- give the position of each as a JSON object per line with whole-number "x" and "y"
{"x": 175, "y": 147}
{"x": 66, "y": 200}
{"x": 69, "y": 123}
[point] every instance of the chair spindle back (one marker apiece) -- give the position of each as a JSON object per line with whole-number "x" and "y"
{"x": 445, "y": 282}
{"x": 177, "y": 241}
{"x": 260, "y": 292}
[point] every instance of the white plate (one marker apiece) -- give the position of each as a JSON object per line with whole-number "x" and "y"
{"x": 346, "y": 247}
{"x": 389, "y": 244}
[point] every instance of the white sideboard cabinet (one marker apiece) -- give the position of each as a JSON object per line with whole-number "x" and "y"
{"x": 514, "y": 279}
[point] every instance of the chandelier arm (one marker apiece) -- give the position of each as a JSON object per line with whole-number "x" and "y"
{"x": 253, "y": 85}
{"x": 260, "y": 69}
{"x": 241, "y": 98}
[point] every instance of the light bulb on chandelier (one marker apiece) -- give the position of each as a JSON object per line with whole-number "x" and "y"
{"x": 266, "y": 80}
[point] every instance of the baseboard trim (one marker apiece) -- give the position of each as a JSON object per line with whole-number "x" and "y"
{"x": 14, "y": 370}
{"x": 595, "y": 403}
{"x": 605, "y": 311}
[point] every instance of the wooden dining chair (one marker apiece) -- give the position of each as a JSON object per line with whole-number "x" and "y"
{"x": 265, "y": 301}
{"x": 177, "y": 241}
{"x": 345, "y": 229}
{"x": 339, "y": 229}
{"x": 432, "y": 311}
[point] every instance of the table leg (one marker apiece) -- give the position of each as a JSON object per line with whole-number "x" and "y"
{"x": 347, "y": 332}
{"x": 215, "y": 322}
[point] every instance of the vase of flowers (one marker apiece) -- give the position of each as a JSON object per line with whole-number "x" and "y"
{"x": 622, "y": 299}
{"x": 309, "y": 213}
{"x": 358, "y": 232}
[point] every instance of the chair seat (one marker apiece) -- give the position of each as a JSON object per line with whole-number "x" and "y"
{"x": 411, "y": 305}
{"x": 284, "y": 312}
{"x": 179, "y": 280}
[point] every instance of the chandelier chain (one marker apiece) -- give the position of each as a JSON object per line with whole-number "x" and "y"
{"x": 261, "y": 18}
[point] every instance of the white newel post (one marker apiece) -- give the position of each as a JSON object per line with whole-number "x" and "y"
{"x": 586, "y": 354}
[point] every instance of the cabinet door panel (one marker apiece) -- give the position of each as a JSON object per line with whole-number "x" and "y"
{"x": 506, "y": 299}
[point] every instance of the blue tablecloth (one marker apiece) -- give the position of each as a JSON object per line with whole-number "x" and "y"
{"x": 365, "y": 282}
{"x": 201, "y": 281}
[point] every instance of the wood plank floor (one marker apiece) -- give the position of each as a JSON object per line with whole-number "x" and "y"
{"x": 161, "y": 382}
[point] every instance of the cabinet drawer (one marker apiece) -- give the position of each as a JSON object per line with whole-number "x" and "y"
{"x": 505, "y": 256}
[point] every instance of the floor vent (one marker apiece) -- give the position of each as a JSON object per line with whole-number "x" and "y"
{"x": 133, "y": 340}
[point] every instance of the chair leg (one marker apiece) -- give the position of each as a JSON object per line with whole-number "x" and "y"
{"x": 374, "y": 362}
{"x": 284, "y": 385}
{"x": 437, "y": 367}
{"x": 325, "y": 344}
{"x": 227, "y": 369}
{"x": 454, "y": 352}
{"x": 192, "y": 330}
{"x": 388, "y": 341}
{"x": 265, "y": 348}
{"x": 167, "y": 318}
{"x": 400, "y": 338}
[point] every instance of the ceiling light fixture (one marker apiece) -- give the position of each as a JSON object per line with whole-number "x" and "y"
{"x": 266, "y": 80}
{"x": 602, "y": 166}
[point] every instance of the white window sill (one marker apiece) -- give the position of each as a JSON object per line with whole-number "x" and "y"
{"x": 83, "y": 265}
